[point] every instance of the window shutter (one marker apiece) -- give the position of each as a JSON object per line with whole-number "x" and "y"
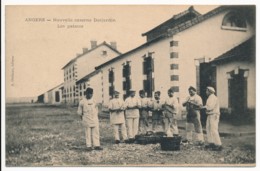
{"x": 145, "y": 85}
{"x": 124, "y": 85}
{"x": 111, "y": 76}
{"x": 144, "y": 67}
{"x": 152, "y": 64}
{"x": 153, "y": 87}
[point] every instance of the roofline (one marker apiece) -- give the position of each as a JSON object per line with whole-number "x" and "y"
{"x": 131, "y": 51}
{"x": 87, "y": 76}
{"x": 218, "y": 59}
{"x": 190, "y": 9}
{"x": 55, "y": 87}
{"x": 197, "y": 20}
{"x": 103, "y": 43}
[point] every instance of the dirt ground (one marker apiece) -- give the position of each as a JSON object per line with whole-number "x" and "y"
{"x": 53, "y": 136}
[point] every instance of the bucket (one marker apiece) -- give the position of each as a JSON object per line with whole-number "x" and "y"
{"x": 149, "y": 138}
{"x": 170, "y": 143}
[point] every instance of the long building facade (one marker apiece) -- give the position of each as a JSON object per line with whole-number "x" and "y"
{"x": 173, "y": 58}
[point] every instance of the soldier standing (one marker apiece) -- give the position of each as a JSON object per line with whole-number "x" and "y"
{"x": 144, "y": 113}
{"x": 88, "y": 111}
{"x": 117, "y": 117}
{"x": 157, "y": 109}
{"x": 132, "y": 106}
{"x": 193, "y": 105}
{"x": 170, "y": 114}
{"x": 213, "y": 114}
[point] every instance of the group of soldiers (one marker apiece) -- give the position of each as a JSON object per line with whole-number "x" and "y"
{"x": 133, "y": 113}
{"x": 131, "y": 117}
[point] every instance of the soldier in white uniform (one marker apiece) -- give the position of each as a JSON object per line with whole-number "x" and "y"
{"x": 132, "y": 105}
{"x": 157, "y": 110}
{"x": 117, "y": 117}
{"x": 170, "y": 114}
{"x": 88, "y": 111}
{"x": 144, "y": 113}
{"x": 193, "y": 105}
{"x": 213, "y": 114}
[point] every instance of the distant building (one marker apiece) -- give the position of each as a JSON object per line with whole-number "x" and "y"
{"x": 93, "y": 79}
{"x": 84, "y": 64}
{"x": 54, "y": 95}
{"x": 175, "y": 50}
{"x": 40, "y": 98}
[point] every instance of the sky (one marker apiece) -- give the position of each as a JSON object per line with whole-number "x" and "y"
{"x": 36, "y": 51}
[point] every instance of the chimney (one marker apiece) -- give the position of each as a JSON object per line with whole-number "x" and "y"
{"x": 113, "y": 44}
{"x": 93, "y": 44}
{"x": 85, "y": 50}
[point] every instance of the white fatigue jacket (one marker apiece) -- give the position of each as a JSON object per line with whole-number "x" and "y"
{"x": 171, "y": 106}
{"x": 157, "y": 104}
{"x": 144, "y": 103}
{"x": 89, "y": 112}
{"x": 117, "y": 117}
{"x": 196, "y": 99}
{"x": 132, "y": 102}
{"x": 212, "y": 105}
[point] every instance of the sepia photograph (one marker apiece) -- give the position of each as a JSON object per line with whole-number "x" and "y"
{"x": 130, "y": 85}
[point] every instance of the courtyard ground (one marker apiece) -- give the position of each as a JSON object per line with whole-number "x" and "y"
{"x": 40, "y": 135}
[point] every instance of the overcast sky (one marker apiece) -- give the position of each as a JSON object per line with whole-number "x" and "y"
{"x": 36, "y": 51}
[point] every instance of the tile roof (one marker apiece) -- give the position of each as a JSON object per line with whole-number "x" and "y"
{"x": 243, "y": 52}
{"x": 176, "y": 19}
{"x": 86, "y": 77}
{"x": 249, "y": 9}
{"x": 60, "y": 85}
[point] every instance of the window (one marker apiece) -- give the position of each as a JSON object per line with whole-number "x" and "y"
{"x": 104, "y": 52}
{"x": 174, "y": 55}
{"x": 174, "y": 66}
{"x": 148, "y": 65}
{"x": 234, "y": 21}
{"x": 111, "y": 76}
{"x": 173, "y": 43}
{"x": 175, "y": 88}
{"x": 174, "y": 77}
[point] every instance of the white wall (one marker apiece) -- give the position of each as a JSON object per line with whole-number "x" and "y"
{"x": 222, "y": 83}
{"x": 87, "y": 63}
{"x": 161, "y": 70}
{"x": 205, "y": 39}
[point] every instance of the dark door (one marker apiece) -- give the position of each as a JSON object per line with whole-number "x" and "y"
{"x": 238, "y": 94}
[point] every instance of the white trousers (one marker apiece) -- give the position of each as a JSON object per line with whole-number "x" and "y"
{"x": 212, "y": 129}
{"x": 170, "y": 125}
{"x": 132, "y": 127}
{"x": 117, "y": 127}
{"x": 92, "y": 136}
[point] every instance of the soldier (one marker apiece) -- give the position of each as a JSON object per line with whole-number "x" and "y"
{"x": 193, "y": 105}
{"x": 157, "y": 110}
{"x": 132, "y": 106}
{"x": 89, "y": 114}
{"x": 144, "y": 113}
{"x": 170, "y": 114}
{"x": 213, "y": 114}
{"x": 117, "y": 117}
